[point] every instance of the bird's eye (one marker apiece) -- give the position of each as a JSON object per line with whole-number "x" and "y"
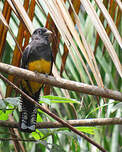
{"x": 35, "y": 32}
{"x": 40, "y": 32}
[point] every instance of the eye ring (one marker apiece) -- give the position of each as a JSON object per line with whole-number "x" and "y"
{"x": 35, "y": 32}
{"x": 40, "y": 32}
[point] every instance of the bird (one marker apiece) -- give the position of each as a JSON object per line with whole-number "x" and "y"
{"x": 37, "y": 57}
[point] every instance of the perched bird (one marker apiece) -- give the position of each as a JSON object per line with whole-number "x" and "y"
{"x": 37, "y": 57}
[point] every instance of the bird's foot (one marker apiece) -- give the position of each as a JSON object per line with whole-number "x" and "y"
{"x": 46, "y": 75}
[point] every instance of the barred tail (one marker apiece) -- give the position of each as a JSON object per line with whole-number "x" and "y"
{"x": 28, "y": 116}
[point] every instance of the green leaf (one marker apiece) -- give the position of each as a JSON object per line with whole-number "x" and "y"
{"x": 88, "y": 130}
{"x": 2, "y": 104}
{"x": 117, "y": 106}
{"x": 2, "y": 88}
{"x": 39, "y": 118}
{"x": 56, "y": 99}
{"x": 37, "y": 134}
{"x": 13, "y": 101}
{"x": 56, "y": 148}
{"x": 94, "y": 110}
{"x": 4, "y": 115}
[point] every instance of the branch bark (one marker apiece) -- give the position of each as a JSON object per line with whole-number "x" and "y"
{"x": 61, "y": 83}
{"x": 76, "y": 123}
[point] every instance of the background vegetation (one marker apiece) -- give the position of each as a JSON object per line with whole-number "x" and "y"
{"x": 86, "y": 47}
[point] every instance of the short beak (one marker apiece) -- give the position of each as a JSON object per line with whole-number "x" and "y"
{"x": 48, "y": 32}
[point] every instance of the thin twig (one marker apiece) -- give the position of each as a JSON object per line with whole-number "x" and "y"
{"x": 66, "y": 124}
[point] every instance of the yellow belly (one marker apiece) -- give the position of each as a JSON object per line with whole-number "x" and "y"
{"x": 41, "y": 66}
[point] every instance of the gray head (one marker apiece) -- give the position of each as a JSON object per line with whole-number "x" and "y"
{"x": 41, "y": 33}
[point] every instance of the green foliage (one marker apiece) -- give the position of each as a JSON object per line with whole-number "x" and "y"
{"x": 8, "y": 105}
{"x": 56, "y": 99}
{"x": 4, "y": 114}
{"x": 77, "y": 105}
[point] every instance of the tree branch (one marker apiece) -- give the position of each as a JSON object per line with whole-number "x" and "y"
{"x": 66, "y": 124}
{"x": 61, "y": 83}
{"x": 76, "y": 123}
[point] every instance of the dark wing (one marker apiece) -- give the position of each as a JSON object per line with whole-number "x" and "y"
{"x": 52, "y": 60}
{"x": 25, "y": 57}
